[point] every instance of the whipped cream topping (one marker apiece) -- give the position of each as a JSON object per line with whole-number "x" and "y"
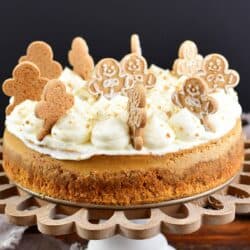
{"x": 187, "y": 126}
{"x": 157, "y": 133}
{"x": 111, "y": 133}
{"x": 96, "y": 126}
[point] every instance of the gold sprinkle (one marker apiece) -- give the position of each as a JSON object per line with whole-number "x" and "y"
{"x": 166, "y": 87}
{"x": 169, "y": 113}
{"x": 168, "y": 135}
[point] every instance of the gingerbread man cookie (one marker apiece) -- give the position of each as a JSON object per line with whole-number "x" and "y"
{"x": 79, "y": 58}
{"x": 54, "y": 104}
{"x": 135, "y": 66}
{"x": 216, "y": 73}
{"x": 194, "y": 97}
{"x": 189, "y": 61}
{"x": 41, "y": 54}
{"x": 137, "y": 114}
{"x": 135, "y": 45}
{"x": 26, "y": 83}
{"x": 108, "y": 79}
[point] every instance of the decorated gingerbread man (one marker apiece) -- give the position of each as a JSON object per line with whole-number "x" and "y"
{"x": 79, "y": 58}
{"x": 26, "y": 83}
{"x": 189, "y": 62}
{"x": 41, "y": 54}
{"x": 194, "y": 97}
{"x": 54, "y": 104}
{"x": 216, "y": 73}
{"x": 108, "y": 79}
{"x": 137, "y": 114}
{"x": 135, "y": 66}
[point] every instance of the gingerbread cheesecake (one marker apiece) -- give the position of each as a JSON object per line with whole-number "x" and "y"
{"x": 120, "y": 132}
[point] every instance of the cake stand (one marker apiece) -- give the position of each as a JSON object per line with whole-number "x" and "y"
{"x": 109, "y": 227}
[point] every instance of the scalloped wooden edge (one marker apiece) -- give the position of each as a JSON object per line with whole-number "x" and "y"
{"x": 53, "y": 219}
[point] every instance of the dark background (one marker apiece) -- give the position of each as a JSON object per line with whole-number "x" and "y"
{"x": 216, "y": 26}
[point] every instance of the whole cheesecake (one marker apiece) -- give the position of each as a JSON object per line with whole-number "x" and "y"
{"x": 89, "y": 157}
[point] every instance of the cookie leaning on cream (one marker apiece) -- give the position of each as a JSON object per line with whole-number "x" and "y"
{"x": 130, "y": 134}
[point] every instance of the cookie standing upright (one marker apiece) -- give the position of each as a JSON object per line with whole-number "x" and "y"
{"x": 135, "y": 45}
{"x": 108, "y": 79}
{"x": 136, "y": 68}
{"x": 216, "y": 72}
{"x": 189, "y": 62}
{"x": 79, "y": 58}
{"x": 41, "y": 54}
{"x": 26, "y": 83}
{"x": 137, "y": 115}
{"x": 194, "y": 97}
{"x": 55, "y": 102}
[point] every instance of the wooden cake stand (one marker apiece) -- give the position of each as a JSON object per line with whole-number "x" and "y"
{"x": 183, "y": 216}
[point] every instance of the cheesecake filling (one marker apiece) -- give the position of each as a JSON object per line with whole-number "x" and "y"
{"x": 98, "y": 126}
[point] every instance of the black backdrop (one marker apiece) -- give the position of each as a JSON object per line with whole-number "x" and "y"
{"x": 215, "y": 25}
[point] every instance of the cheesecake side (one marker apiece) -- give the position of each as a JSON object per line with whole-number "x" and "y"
{"x": 126, "y": 180}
